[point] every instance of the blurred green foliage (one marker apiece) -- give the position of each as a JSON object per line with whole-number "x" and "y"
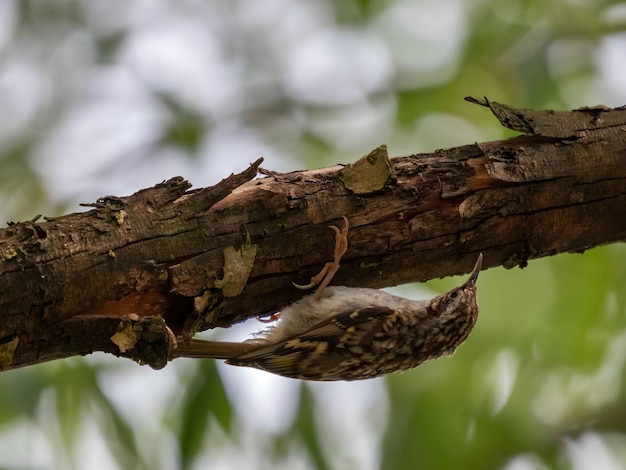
{"x": 539, "y": 384}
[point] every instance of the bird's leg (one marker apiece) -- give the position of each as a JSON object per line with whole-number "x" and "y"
{"x": 324, "y": 277}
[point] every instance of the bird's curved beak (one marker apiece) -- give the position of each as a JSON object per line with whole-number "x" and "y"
{"x": 475, "y": 272}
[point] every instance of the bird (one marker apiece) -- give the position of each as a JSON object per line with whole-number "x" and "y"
{"x": 351, "y": 333}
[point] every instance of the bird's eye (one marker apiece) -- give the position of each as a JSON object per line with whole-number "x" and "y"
{"x": 454, "y": 294}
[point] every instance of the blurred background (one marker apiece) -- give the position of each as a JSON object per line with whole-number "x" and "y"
{"x": 101, "y": 97}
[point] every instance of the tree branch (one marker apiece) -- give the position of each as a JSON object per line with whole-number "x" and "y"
{"x": 132, "y": 273}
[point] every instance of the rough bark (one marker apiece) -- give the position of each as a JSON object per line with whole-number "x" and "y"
{"x": 133, "y": 273}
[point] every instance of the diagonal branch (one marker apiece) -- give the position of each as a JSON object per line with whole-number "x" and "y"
{"x": 132, "y": 273}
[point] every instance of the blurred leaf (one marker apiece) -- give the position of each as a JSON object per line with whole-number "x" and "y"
{"x": 20, "y": 391}
{"x": 78, "y": 392}
{"x": 72, "y": 390}
{"x": 305, "y": 427}
{"x": 120, "y": 437}
{"x": 204, "y": 397}
{"x": 186, "y": 126}
{"x": 109, "y": 45}
{"x": 575, "y": 332}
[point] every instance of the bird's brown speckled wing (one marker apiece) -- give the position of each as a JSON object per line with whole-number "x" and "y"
{"x": 318, "y": 351}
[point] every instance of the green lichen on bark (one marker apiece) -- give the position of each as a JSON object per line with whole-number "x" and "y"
{"x": 237, "y": 267}
{"x": 125, "y": 338}
{"x": 369, "y": 173}
{"x": 6, "y": 352}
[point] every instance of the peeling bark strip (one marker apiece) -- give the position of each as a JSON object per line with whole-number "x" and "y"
{"x": 134, "y": 272}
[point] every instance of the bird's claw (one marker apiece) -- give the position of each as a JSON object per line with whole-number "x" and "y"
{"x": 329, "y": 270}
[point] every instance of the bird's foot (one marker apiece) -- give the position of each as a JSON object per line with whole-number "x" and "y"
{"x": 324, "y": 277}
{"x": 269, "y": 319}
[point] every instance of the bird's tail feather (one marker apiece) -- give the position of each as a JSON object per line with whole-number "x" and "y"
{"x": 200, "y": 348}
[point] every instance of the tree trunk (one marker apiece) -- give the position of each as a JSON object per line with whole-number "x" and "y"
{"x": 136, "y": 272}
